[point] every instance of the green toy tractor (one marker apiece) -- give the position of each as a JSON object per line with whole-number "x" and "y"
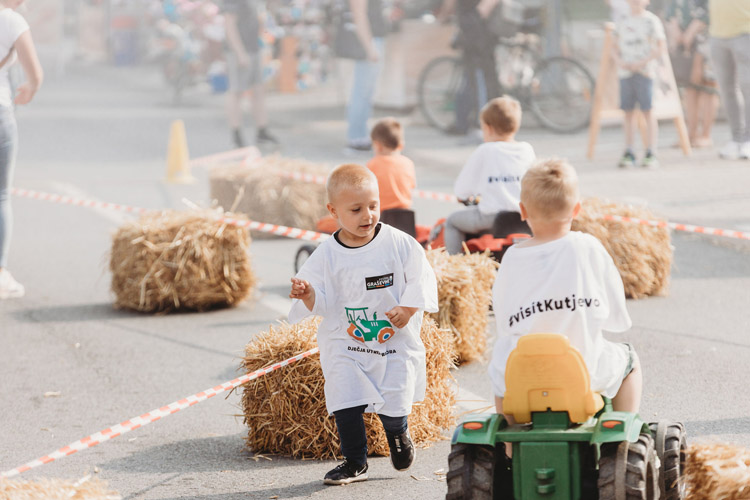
{"x": 567, "y": 442}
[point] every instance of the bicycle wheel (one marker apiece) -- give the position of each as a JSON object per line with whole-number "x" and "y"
{"x": 561, "y": 94}
{"x": 438, "y": 85}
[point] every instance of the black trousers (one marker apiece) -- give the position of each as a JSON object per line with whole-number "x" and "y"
{"x": 353, "y": 435}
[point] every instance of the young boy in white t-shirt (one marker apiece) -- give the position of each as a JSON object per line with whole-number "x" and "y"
{"x": 563, "y": 281}
{"x": 492, "y": 173}
{"x": 370, "y": 282}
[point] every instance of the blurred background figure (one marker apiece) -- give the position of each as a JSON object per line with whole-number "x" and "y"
{"x": 686, "y": 23}
{"x": 245, "y": 69}
{"x": 15, "y": 45}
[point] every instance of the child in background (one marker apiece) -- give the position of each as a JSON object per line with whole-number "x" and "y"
{"x": 640, "y": 42}
{"x": 563, "y": 281}
{"x": 492, "y": 173}
{"x": 394, "y": 171}
{"x": 371, "y": 283}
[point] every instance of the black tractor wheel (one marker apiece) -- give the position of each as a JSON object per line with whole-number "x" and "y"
{"x": 629, "y": 468}
{"x": 670, "y": 444}
{"x": 478, "y": 472}
{"x": 304, "y": 253}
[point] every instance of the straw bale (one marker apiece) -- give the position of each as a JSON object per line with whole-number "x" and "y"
{"x": 642, "y": 254}
{"x": 285, "y": 410}
{"x": 56, "y": 489}
{"x": 464, "y": 297}
{"x": 264, "y": 196}
{"x": 180, "y": 260}
{"x": 717, "y": 472}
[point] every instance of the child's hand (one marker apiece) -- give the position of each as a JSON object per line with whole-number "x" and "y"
{"x": 399, "y": 316}
{"x": 301, "y": 289}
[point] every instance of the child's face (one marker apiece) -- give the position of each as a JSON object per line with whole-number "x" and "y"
{"x": 358, "y": 212}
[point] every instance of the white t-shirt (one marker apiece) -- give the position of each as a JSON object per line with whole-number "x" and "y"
{"x": 365, "y": 359}
{"x": 637, "y": 37}
{"x": 569, "y": 286}
{"x": 12, "y": 25}
{"x": 493, "y": 172}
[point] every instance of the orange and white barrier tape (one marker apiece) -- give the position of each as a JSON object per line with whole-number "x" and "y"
{"x": 289, "y": 232}
{"x": 245, "y": 154}
{"x": 79, "y": 202}
{"x": 152, "y": 416}
{"x": 681, "y": 227}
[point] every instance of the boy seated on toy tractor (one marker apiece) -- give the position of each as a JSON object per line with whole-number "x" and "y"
{"x": 567, "y": 442}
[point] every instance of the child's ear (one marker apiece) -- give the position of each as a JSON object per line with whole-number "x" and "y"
{"x": 332, "y": 210}
{"x": 576, "y": 210}
{"x": 524, "y": 213}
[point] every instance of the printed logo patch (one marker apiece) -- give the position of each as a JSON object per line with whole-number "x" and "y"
{"x": 377, "y": 282}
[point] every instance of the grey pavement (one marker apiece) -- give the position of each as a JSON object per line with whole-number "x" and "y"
{"x": 101, "y": 132}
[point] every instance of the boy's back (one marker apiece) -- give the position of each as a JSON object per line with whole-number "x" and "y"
{"x": 570, "y": 286}
{"x": 396, "y": 180}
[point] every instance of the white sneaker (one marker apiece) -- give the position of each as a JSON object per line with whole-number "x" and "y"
{"x": 10, "y": 288}
{"x": 745, "y": 150}
{"x": 730, "y": 151}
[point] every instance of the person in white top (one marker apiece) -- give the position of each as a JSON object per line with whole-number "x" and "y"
{"x": 370, "y": 282}
{"x": 563, "y": 281}
{"x": 15, "y": 45}
{"x": 492, "y": 173}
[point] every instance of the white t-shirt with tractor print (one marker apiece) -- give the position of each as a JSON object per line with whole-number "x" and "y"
{"x": 365, "y": 359}
{"x": 568, "y": 286}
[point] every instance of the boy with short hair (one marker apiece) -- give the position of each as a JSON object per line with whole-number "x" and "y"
{"x": 563, "y": 281}
{"x": 365, "y": 272}
{"x": 394, "y": 171}
{"x": 492, "y": 173}
{"x": 640, "y": 42}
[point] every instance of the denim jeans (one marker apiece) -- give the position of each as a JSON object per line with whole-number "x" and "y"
{"x": 8, "y": 148}
{"x": 731, "y": 60}
{"x": 353, "y": 435}
{"x": 363, "y": 90}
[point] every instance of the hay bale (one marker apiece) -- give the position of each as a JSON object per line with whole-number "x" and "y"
{"x": 56, "y": 489}
{"x": 717, "y": 472}
{"x": 259, "y": 192}
{"x": 285, "y": 410}
{"x": 642, "y": 254}
{"x": 180, "y": 260}
{"x": 464, "y": 297}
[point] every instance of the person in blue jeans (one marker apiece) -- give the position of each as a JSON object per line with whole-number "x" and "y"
{"x": 371, "y": 30}
{"x": 15, "y": 45}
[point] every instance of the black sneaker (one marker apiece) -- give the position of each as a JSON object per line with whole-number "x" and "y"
{"x": 345, "y": 473}
{"x": 265, "y": 136}
{"x": 402, "y": 450}
{"x": 627, "y": 160}
{"x": 237, "y": 139}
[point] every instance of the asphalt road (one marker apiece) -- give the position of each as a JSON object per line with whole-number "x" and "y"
{"x": 102, "y": 133}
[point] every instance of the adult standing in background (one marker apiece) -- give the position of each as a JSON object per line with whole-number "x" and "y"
{"x": 729, "y": 28}
{"x": 15, "y": 45}
{"x": 245, "y": 69}
{"x": 371, "y": 29}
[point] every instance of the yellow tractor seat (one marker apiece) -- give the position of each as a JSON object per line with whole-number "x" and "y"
{"x": 544, "y": 372}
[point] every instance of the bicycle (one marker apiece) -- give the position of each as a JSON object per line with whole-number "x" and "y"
{"x": 558, "y": 90}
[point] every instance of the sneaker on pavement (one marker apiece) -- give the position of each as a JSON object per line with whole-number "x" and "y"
{"x": 265, "y": 136}
{"x": 9, "y": 287}
{"x": 745, "y": 150}
{"x": 627, "y": 160}
{"x": 402, "y": 450}
{"x": 650, "y": 161}
{"x": 237, "y": 139}
{"x": 345, "y": 473}
{"x": 730, "y": 151}
{"x": 361, "y": 145}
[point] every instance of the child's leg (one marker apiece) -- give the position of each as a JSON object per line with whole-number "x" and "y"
{"x": 351, "y": 427}
{"x": 458, "y": 224}
{"x": 509, "y": 419}
{"x": 652, "y": 131}
{"x": 628, "y": 398}
{"x": 629, "y": 126}
{"x": 399, "y": 442}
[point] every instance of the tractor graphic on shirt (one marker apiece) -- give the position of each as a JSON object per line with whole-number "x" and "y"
{"x": 363, "y": 329}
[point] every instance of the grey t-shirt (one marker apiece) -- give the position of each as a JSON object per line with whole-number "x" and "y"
{"x": 247, "y": 21}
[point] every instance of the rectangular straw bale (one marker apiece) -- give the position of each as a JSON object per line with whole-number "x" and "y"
{"x": 717, "y": 472}
{"x": 180, "y": 260}
{"x": 464, "y": 297}
{"x": 56, "y": 489}
{"x": 285, "y": 410}
{"x": 265, "y": 196}
{"x": 643, "y": 254}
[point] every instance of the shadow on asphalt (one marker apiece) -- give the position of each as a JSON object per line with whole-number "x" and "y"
{"x": 718, "y": 426}
{"x": 70, "y": 313}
